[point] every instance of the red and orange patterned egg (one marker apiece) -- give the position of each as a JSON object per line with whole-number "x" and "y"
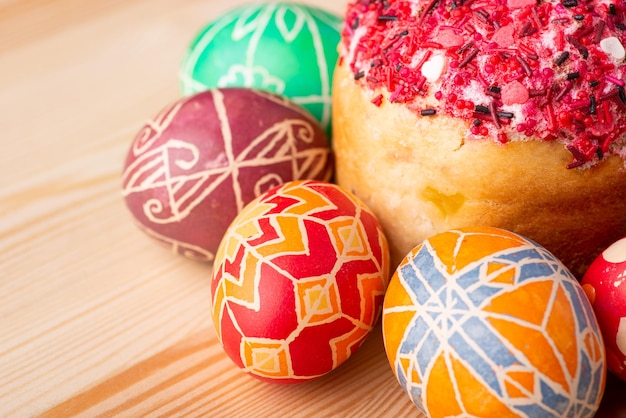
{"x": 483, "y": 322}
{"x": 605, "y": 285}
{"x": 298, "y": 281}
{"x": 194, "y": 166}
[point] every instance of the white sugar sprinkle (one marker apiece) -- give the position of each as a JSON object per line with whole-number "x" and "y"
{"x": 613, "y": 47}
{"x": 434, "y": 67}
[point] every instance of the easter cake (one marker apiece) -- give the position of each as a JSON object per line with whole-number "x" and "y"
{"x": 507, "y": 113}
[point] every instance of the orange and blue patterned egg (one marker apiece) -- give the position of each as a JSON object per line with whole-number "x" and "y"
{"x": 298, "y": 281}
{"x": 285, "y": 48}
{"x": 605, "y": 285}
{"x": 483, "y": 322}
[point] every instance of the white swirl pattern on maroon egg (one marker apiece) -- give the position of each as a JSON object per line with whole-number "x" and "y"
{"x": 176, "y": 165}
{"x": 153, "y": 129}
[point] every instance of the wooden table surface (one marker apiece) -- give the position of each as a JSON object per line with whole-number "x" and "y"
{"x": 95, "y": 319}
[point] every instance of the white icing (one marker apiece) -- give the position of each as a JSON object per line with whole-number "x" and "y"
{"x": 613, "y": 47}
{"x": 416, "y": 8}
{"x": 475, "y": 92}
{"x": 548, "y": 38}
{"x": 434, "y": 67}
{"x": 517, "y": 110}
{"x": 620, "y": 337}
{"x": 616, "y": 253}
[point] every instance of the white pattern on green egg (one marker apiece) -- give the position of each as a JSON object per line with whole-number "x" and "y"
{"x": 285, "y": 48}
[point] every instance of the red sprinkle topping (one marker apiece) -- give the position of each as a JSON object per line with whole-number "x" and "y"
{"x": 378, "y": 100}
{"x": 510, "y": 68}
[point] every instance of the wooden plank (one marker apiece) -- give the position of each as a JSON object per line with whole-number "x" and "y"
{"x": 195, "y": 377}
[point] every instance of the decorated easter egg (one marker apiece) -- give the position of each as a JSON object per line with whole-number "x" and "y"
{"x": 286, "y": 48}
{"x": 483, "y": 322}
{"x": 605, "y": 285}
{"x": 298, "y": 281}
{"x": 193, "y": 167}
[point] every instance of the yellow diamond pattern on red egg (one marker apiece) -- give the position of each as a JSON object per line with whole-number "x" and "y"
{"x": 265, "y": 358}
{"x": 350, "y": 238}
{"x": 298, "y": 284}
{"x": 319, "y": 300}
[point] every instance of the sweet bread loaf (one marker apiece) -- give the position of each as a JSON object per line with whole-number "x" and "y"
{"x": 469, "y": 113}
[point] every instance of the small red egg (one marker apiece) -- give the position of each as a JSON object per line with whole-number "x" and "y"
{"x": 194, "y": 166}
{"x": 605, "y": 285}
{"x": 298, "y": 281}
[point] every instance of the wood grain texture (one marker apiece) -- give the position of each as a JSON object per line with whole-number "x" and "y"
{"x": 195, "y": 377}
{"x": 95, "y": 319}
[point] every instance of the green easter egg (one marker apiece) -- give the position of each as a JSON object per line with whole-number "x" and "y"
{"x": 285, "y": 48}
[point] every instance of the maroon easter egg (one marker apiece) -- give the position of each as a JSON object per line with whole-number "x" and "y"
{"x": 298, "y": 281}
{"x": 195, "y": 166}
{"x": 605, "y": 285}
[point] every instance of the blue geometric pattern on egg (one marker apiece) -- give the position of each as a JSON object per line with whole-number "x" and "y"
{"x": 503, "y": 322}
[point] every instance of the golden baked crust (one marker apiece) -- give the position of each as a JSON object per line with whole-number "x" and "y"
{"x": 421, "y": 176}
